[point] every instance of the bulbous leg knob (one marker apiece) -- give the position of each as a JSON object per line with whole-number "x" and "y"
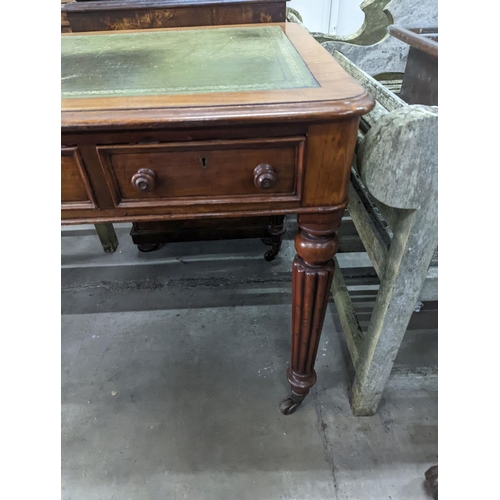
{"x": 312, "y": 275}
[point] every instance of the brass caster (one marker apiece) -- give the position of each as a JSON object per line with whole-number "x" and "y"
{"x": 270, "y": 255}
{"x": 431, "y": 481}
{"x": 288, "y": 406}
{"x": 148, "y": 247}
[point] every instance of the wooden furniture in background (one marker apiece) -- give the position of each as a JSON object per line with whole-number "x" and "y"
{"x": 420, "y": 79}
{"x": 139, "y": 14}
{"x": 393, "y": 203}
{"x": 65, "y": 28}
{"x": 269, "y": 229}
{"x": 269, "y": 130}
{"x": 117, "y": 14}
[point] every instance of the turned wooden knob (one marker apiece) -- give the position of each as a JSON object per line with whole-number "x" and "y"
{"x": 264, "y": 176}
{"x": 144, "y": 180}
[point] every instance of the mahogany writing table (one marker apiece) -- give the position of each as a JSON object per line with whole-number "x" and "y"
{"x": 215, "y": 122}
{"x": 107, "y": 15}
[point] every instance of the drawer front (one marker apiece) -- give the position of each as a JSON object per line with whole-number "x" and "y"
{"x": 259, "y": 170}
{"x": 76, "y": 192}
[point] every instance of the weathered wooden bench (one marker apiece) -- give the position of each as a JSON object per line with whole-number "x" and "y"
{"x": 393, "y": 196}
{"x": 393, "y": 203}
{"x": 371, "y": 47}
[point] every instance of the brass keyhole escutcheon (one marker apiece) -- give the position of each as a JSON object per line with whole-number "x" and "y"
{"x": 204, "y": 162}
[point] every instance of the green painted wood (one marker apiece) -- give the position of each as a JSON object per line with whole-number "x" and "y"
{"x": 181, "y": 62}
{"x": 107, "y": 235}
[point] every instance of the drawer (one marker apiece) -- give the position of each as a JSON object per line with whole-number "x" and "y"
{"x": 76, "y": 191}
{"x": 251, "y": 170}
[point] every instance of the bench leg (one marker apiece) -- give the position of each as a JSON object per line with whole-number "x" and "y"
{"x": 408, "y": 260}
{"x": 312, "y": 274}
{"x": 108, "y": 238}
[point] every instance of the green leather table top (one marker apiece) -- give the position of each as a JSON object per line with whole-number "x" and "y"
{"x": 181, "y": 62}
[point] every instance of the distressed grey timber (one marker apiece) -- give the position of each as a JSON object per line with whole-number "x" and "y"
{"x": 393, "y": 204}
{"x": 107, "y": 235}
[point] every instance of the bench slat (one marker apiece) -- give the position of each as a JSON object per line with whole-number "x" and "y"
{"x": 348, "y": 318}
{"x": 385, "y": 97}
{"x": 373, "y": 241}
{"x": 373, "y": 116}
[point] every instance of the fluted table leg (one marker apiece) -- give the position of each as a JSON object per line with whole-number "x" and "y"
{"x": 312, "y": 274}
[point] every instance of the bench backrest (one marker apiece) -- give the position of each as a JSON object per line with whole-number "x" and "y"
{"x": 397, "y": 154}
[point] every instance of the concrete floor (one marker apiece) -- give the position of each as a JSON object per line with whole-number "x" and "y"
{"x": 173, "y": 366}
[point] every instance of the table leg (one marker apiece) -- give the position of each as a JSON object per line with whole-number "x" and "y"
{"x": 312, "y": 274}
{"x": 431, "y": 481}
{"x": 276, "y": 230}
